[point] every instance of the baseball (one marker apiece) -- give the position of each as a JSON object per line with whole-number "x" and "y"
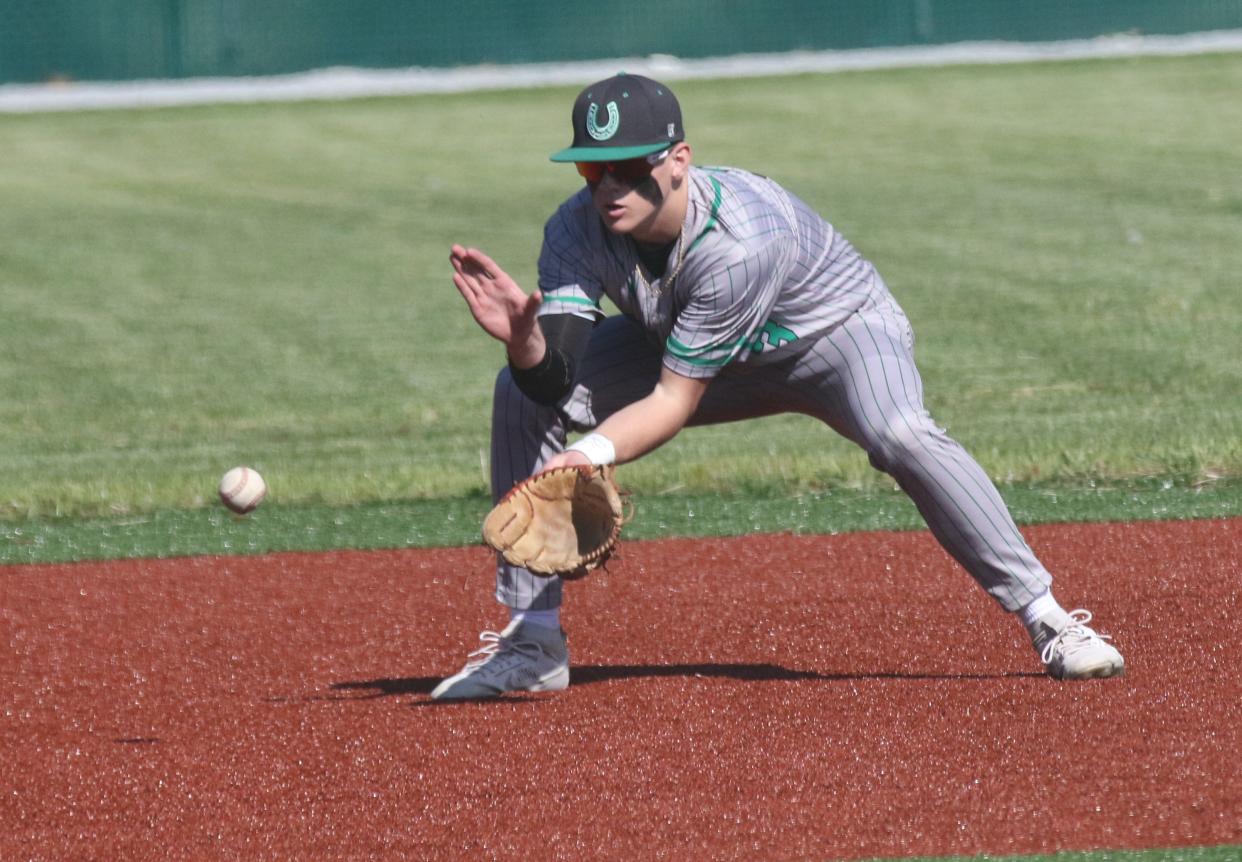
{"x": 242, "y": 489}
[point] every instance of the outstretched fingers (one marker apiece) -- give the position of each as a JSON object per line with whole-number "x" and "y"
{"x": 498, "y": 303}
{"x": 474, "y": 264}
{"x": 473, "y": 281}
{"x": 483, "y": 264}
{"x": 468, "y": 291}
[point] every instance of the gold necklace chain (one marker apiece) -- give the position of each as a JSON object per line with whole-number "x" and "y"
{"x": 667, "y": 281}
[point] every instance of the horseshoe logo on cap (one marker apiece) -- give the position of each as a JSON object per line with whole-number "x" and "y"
{"x": 603, "y": 133}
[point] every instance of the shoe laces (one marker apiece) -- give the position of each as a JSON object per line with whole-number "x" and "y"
{"x": 1074, "y": 637}
{"x": 494, "y": 644}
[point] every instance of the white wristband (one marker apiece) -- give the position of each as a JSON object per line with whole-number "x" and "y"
{"x": 598, "y": 449}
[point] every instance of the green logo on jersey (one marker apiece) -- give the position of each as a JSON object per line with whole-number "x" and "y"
{"x": 771, "y": 336}
{"x": 603, "y": 133}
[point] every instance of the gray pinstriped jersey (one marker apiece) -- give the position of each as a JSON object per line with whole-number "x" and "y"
{"x": 762, "y": 274}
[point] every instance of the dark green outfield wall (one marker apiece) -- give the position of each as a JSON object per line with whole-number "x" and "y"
{"x": 129, "y": 39}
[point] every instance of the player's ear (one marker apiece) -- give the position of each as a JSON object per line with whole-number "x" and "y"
{"x": 680, "y": 158}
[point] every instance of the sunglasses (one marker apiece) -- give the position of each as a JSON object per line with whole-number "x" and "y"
{"x": 630, "y": 171}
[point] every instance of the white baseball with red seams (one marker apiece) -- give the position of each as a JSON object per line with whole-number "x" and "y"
{"x": 242, "y": 489}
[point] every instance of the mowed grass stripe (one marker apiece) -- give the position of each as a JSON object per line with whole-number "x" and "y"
{"x": 184, "y": 290}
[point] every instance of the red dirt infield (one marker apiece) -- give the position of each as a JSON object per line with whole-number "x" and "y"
{"x": 765, "y": 697}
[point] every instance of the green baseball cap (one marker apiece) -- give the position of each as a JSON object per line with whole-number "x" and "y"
{"x": 623, "y": 117}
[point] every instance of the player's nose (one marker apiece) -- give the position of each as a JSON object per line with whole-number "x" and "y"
{"x": 609, "y": 181}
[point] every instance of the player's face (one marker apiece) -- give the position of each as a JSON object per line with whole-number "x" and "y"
{"x": 629, "y": 195}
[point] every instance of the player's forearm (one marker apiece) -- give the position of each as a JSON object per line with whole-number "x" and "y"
{"x": 552, "y": 376}
{"x": 640, "y": 428}
{"x": 650, "y": 422}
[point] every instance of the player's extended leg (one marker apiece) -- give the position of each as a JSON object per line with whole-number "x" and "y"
{"x": 874, "y": 397}
{"x": 870, "y": 391}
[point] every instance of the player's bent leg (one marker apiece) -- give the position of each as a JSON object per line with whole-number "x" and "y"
{"x": 526, "y": 656}
{"x": 524, "y": 435}
{"x": 620, "y": 366}
{"x": 523, "y": 657}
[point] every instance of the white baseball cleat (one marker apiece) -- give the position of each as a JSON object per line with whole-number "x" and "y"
{"x": 523, "y": 657}
{"x": 1077, "y": 652}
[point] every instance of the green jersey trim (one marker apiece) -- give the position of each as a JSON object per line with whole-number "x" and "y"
{"x": 711, "y": 218}
{"x": 769, "y": 337}
{"x": 575, "y": 300}
{"x": 696, "y": 355}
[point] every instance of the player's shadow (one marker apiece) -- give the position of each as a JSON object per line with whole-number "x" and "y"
{"x": 758, "y": 673}
{"x": 591, "y": 674}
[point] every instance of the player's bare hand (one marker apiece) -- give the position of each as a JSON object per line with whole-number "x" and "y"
{"x": 501, "y": 307}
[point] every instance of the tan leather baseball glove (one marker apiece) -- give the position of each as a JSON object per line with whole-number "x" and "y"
{"x": 561, "y": 522}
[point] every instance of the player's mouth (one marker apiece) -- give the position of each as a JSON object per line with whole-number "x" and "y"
{"x": 611, "y": 210}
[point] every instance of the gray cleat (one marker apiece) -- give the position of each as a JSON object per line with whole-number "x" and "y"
{"x": 1077, "y": 652}
{"x": 523, "y": 657}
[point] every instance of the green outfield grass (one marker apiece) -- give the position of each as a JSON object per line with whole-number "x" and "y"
{"x": 1180, "y": 854}
{"x": 183, "y": 290}
{"x": 455, "y": 521}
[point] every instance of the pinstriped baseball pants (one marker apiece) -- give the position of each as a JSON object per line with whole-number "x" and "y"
{"x": 860, "y": 379}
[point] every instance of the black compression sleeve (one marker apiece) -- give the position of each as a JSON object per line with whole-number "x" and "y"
{"x": 551, "y": 379}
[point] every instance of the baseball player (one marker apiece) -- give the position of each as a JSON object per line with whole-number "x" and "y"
{"x": 737, "y": 300}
